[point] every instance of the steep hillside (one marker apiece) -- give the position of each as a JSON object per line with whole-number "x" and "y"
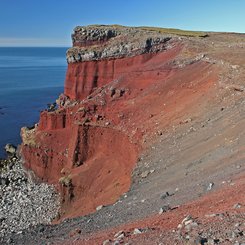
{"x": 154, "y": 113}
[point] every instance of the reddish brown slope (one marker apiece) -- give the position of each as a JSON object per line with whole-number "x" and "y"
{"x": 91, "y": 144}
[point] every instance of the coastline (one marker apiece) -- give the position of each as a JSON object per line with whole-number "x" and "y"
{"x": 30, "y": 78}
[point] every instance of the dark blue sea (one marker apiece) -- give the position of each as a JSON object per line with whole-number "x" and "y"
{"x": 30, "y": 78}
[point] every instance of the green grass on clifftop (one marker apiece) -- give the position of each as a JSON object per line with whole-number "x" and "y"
{"x": 160, "y": 30}
{"x": 174, "y": 31}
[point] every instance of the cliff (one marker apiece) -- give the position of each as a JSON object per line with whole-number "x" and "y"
{"x": 120, "y": 50}
{"x": 123, "y": 87}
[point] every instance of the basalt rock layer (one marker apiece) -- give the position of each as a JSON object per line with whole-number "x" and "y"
{"x": 122, "y": 86}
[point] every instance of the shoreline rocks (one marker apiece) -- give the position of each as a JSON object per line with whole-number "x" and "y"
{"x": 24, "y": 202}
{"x": 10, "y": 149}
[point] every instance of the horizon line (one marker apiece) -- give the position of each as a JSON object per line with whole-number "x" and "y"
{"x": 34, "y": 42}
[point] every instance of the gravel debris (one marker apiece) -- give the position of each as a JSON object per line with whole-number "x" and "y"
{"x": 24, "y": 202}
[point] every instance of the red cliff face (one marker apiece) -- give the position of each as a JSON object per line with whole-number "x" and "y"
{"x": 110, "y": 110}
{"x": 83, "y": 78}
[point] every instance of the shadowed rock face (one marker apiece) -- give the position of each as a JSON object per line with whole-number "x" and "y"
{"x": 118, "y": 81}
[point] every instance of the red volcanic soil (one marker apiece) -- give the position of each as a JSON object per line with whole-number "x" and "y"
{"x": 82, "y": 78}
{"x": 108, "y": 158}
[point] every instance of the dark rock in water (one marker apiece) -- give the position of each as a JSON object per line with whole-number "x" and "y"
{"x": 10, "y": 149}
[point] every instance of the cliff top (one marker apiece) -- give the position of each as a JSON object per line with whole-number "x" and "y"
{"x": 149, "y": 29}
{"x": 96, "y": 42}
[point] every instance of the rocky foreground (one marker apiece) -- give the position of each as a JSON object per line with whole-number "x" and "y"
{"x": 24, "y": 202}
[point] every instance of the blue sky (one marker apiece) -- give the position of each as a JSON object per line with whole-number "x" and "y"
{"x": 50, "y": 22}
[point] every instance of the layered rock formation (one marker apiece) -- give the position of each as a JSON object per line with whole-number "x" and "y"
{"x": 122, "y": 85}
{"x": 120, "y": 50}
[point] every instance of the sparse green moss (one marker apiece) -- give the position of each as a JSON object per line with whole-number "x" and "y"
{"x": 174, "y": 31}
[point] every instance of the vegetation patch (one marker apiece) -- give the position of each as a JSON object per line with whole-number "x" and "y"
{"x": 174, "y": 31}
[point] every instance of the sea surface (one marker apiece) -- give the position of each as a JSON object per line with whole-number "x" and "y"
{"x": 30, "y": 78}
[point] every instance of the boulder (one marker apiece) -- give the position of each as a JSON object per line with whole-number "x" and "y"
{"x": 10, "y": 149}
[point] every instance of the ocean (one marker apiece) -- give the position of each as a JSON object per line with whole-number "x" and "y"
{"x": 30, "y": 78}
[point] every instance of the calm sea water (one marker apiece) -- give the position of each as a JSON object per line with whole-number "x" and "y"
{"x": 30, "y": 78}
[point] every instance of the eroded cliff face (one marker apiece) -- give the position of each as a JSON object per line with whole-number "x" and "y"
{"x": 123, "y": 86}
{"x": 103, "y": 54}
